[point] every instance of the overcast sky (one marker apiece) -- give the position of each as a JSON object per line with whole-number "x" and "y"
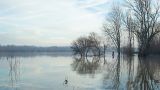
{"x": 50, "y": 22}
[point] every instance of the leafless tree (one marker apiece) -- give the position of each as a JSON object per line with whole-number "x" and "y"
{"x": 146, "y": 15}
{"x": 83, "y": 45}
{"x": 113, "y": 29}
{"x": 94, "y": 44}
{"x": 155, "y": 45}
{"x": 130, "y": 26}
{"x": 79, "y": 46}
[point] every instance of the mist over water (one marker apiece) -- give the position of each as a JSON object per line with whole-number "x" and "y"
{"x": 49, "y": 72}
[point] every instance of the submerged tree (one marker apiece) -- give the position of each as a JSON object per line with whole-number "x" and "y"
{"x": 130, "y": 26}
{"x": 94, "y": 44}
{"x": 146, "y": 16}
{"x": 113, "y": 29}
{"x": 79, "y": 46}
{"x": 155, "y": 45}
{"x": 83, "y": 45}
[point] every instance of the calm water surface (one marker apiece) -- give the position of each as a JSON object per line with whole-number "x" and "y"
{"x": 49, "y": 72}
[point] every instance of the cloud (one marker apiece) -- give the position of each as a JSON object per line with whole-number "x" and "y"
{"x": 48, "y": 22}
{"x": 92, "y": 3}
{"x": 96, "y": 6}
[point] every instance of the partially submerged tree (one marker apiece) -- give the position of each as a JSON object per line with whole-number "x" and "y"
{"x": 83, "y": 45}
{"x": 113, "y": 28}
{"x": 130, "y": 26}
{"x": 146, "y": 15}
{"x": 155, "y": 45}
{"x": 94, "y": 44}
{"x": 79, "y": 46}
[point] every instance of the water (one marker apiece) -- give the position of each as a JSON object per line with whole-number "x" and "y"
{"x": 49, "y": 72}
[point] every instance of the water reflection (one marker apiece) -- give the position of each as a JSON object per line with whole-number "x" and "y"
{"x": 146, "y": 78}
{"x": 111, "y": 78}
{"x": 132, "y": 73}
{"x": 47, "y": 73}
{"x": 86, "y": 65}
{"x": 13, "y": 72}
{"x": 123, "y": 72}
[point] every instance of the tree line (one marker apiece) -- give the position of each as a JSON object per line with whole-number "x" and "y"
{"x": 140, "y": 21}
{"x": 14, "y": 48}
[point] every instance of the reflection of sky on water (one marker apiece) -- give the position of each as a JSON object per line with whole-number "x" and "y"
{"x": 49, "y": 73}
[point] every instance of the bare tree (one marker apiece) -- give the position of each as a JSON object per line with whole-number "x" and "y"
{"x": 94, "y": 44}
{"x": 113, "y": 29}
{"x": 155, "y": 45}
{"x": 83, "y": 45}
{"x": 146, "y": 15}
{"x": 79, "y": 46}
{"x": 130, "y": 26}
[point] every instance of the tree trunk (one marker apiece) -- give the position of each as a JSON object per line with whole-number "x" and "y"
{"x": 143, "y": 50}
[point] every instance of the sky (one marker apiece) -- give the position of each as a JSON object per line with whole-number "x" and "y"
{"x": 50, "y": 22}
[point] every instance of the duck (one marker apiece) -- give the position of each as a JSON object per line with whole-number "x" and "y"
{"x": 65, "y": 81}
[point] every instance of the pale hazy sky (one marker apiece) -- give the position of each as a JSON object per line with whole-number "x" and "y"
{"x": 50, "y": 22}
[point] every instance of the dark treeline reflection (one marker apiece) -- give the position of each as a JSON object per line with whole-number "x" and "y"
{"x": 123, "y": 72}
{"x": 86, "y": 66}
{"x": 13, "y": 65}
{"x": 133, "y": 73}
{"x": 147, "y": 77}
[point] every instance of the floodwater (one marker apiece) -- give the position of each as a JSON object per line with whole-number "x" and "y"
{"x": 65, "y": 72}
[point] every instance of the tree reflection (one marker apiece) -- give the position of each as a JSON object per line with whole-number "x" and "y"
{"x": 14, "y": 70}
{"x": 146, "y": 75}
{"x": 86, "y": 66}
{"x": 130, "y": 73}
{"x": 112, "y": 76}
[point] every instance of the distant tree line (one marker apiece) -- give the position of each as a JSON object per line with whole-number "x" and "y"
{"x": 13, "y": 48}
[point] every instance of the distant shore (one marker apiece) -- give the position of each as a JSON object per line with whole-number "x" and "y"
{"x": 14, "y": 48}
